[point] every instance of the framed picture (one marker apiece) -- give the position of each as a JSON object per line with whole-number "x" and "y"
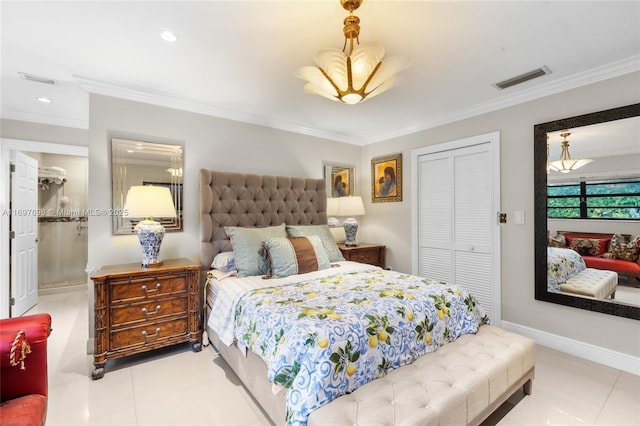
{"x": 386, "y": 178}
{"x": 340, "y": 181}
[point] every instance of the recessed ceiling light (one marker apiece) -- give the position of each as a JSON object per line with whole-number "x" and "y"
{"x": 44, "y": 100}
{"x": 168, "y": 36}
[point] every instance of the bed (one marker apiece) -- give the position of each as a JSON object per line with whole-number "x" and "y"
{"x": 319, "y": 327}
{"x": 567, "y": 273}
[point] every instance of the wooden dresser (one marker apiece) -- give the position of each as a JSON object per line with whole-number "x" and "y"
{"x": 372, "y": 254}
{"x": 137, "y": 309}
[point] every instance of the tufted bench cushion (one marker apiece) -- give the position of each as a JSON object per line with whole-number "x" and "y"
{"x": 461, "y": 383}
{"x": 598, "y": 283}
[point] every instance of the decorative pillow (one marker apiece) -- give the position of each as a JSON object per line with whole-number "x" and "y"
{"x": 586, "y": 246}
{"x": 322, "y": 231}
{"x": 247, "y": 242}
{"x": 225, "y": 261}
{"x": 621, "y": 249}
{"x": 294, "y": 255}
{"x": 558, "y": 241}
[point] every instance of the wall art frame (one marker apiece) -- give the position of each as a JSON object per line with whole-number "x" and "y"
{"x": 386, "y": 178}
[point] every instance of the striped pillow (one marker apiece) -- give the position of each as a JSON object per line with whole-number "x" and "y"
{"x": 294, "y": 255}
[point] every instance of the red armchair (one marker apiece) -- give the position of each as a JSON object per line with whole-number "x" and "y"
{"x": 23, "y": 370}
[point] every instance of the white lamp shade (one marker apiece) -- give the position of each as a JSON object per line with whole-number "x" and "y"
{"x": 332, "y": 206}
{"x": 149, "y": 201}
{"x": 350, "y": 206}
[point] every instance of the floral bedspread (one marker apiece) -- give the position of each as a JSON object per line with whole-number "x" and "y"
{"x": 325, "y": 337}
{"x": 562, "y": 264}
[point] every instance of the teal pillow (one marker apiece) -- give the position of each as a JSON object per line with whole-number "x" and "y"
{"x": 247, "y": 242}
{"x": 294, "y": 255}
{"x": 322, "y": 231}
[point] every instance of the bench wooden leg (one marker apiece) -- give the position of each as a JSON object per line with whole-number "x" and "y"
{"x": 527, "y": 388}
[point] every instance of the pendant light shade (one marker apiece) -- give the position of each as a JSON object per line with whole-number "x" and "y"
{"x": 352, "y": 78}
{"x": 567, "y": 164}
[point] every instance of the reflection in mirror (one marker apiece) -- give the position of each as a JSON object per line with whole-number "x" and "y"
{"x": 340, "y": 181}
{"x": 587, "y": 213}
{"x": 145, "y": 163}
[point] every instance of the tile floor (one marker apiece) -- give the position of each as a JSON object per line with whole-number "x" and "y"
{"x": 175, "y": 386}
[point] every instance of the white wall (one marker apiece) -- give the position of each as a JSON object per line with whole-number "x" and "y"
{"x": 390, "y": 223}
{"x": 209, "y": 143}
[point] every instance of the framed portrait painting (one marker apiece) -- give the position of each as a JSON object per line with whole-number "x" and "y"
{"x": 386, "y": 178}
{"x": 340, "y": 181}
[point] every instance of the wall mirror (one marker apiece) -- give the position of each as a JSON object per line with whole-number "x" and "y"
{"x": 340, "y": 180}
{"x": 145, "y": 163}
{"x": 611, "y": 139}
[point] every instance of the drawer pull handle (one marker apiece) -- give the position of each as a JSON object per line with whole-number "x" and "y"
{"x": 144, "y": 333}
{"x": 151, "y": 313}
{"x": 146, "y": 290}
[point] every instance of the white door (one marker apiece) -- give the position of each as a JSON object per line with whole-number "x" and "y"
{"x": 24, "y": 227}
{"x": 458, "y": 197}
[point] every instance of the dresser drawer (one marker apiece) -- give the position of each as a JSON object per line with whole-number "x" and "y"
{"x": 371, "y": 256}
{"x": 149, "y": 332}
{"x": 148, "y": 311}
{"x": 131, "y": 290}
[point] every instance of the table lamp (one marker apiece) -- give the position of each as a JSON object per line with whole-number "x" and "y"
{"x": 332, "y": 211}
{"x": 350, "y": 206}
{"x": 147, "y": 202}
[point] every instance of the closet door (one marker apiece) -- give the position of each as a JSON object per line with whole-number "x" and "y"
{"x": 457, "y": 200}
{"x": 473, "y": 223}
{"x": 434, "y": 224}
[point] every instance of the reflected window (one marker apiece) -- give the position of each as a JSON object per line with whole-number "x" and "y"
{"x": 616, "y": 199}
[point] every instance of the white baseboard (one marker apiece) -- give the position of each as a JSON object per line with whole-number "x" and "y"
{"x": 621, "y": 361}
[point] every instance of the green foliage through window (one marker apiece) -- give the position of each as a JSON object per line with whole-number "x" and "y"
{"x": 603, "y": 199}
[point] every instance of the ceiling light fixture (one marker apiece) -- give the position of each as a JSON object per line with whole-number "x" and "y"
{"x": 168, "y": 36}
{"x": 360, "y": 75}
{"x": 566, "y": 164}
{"x": 44, "y": 100}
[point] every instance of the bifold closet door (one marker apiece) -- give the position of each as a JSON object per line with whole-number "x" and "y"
{"x": 435, "y": 217}
{"x": 456, "y": 219}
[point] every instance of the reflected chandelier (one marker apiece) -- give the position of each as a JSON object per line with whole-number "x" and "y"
{"x": 566, "y": 164}
{"x": 360, "y": 75}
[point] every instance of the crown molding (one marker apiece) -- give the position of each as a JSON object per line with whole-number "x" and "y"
{"x": 594, "y": 75}
{"x": 44, "y": 119}
{"x": 142, "y": 94}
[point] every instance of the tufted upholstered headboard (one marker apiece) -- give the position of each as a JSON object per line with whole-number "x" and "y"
{"x": 238, "y": 199}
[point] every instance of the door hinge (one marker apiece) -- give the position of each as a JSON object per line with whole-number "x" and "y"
{"x": 12, "y": 168}
{"x": 12, "y": 235}
{"x": 12, "y": 301}
{"x": 502, "y": 218}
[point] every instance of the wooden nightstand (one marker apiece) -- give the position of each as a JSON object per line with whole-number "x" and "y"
{"x": 372, "y": 254}
{"x": 137, "y": 310}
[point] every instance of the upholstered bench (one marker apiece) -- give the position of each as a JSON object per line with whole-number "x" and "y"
{"x": 461, "y": 383}
{"x": 597, "y": 283}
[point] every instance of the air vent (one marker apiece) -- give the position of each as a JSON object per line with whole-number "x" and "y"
{"x": 37, "y": 78}
{"x": 523, "y": 77}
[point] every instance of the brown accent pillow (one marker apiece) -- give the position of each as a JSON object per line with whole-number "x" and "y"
{"x": 293, "y": 255}
{"x": 558, "y": 241}
{"x": 621, "y": 249}
{"x": 586, "y": 246}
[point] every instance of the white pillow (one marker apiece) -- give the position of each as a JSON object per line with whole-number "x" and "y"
{"x": 225, "y": 261}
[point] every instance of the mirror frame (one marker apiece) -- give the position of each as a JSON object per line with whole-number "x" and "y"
{"x": 122, "y": 226}
{"x": 330, "y": 170}
{"x": 540, "y": 211}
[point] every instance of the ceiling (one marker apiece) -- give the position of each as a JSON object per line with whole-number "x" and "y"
{"x": 237, "y": 59}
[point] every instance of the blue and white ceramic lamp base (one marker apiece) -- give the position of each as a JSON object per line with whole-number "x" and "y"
{"x": 350, "y": 230}
{"x": 150, "y": 233}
